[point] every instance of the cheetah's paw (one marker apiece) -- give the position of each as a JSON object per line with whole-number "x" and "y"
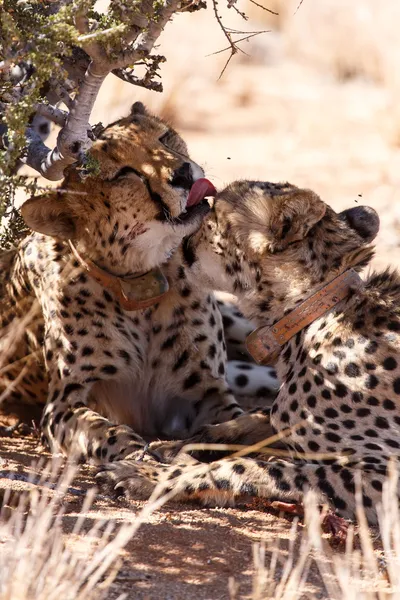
{"x": 127, "y": 478}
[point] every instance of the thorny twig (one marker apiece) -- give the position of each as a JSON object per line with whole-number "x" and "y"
{"x": 228, "y": 33}
{"x": 298, "y": 6}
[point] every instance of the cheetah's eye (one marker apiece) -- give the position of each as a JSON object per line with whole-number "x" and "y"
{"x": 287, "y": 224}
{"x": 166, "y": 139}
{"x": 125, "y": 171}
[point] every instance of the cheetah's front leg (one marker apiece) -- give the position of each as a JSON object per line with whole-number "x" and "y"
{"x": 70, "y": 426}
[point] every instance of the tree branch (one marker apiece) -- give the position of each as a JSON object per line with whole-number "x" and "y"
{"x": 75, "y": 138}
{"x": 52, "y": 113}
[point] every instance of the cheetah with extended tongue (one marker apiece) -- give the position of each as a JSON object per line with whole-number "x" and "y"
{"x": 114, "y": 371}
{"x": 278, "y": 248}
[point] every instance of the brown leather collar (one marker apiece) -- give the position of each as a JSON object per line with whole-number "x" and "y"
{"x": 264, "y": 344}
{"x": 135, "y": 293}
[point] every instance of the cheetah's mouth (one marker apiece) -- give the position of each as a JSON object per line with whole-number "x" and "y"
{"x": 196, "y": 203}
{"x": 199, "y": 191}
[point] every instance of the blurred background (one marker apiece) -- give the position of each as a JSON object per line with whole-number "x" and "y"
{"x": 314, "y": 100}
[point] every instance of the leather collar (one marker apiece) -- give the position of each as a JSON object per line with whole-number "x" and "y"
{"x": 134, "y": 293}
{"x": 265, "y": 343}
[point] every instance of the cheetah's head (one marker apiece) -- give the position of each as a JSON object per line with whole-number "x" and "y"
{"x": 134, "y": 212}
{"x": 289, "y": 236}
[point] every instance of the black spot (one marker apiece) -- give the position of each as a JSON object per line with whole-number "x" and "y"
{"x": 382, "y": 423}
{"x": 388, "y": 404}
{"x": 125, "y": 355}
{"x": 241, "y": 380}
{"x": 340, "y": 390}
{"x": 363, "y": 412}
{"x": 87, "y": 351}
{"x": 200, "y": 338}
{"x": 182, "y": 360}
{"x": 70, "y": 358}
{"x": 352, "y": 370}
{"x": 371, "y": 382}
{"x": 371, "y": 348}
{"x": 371, "y": 446}
{"x": 109, "y": 369}
{"x": 311, "y": 401}
{"x": 377, "y": 485}
{"x": 326, "y": 394}
{"x": 332, "y": 437}
{"x": 332, "y": 368}
{"x": 169, "y": 342}
{"x": 69, "y": 388}
{"x": 222, "y": 484}
{"x": 238, "y": 468}
{"x": 313, "y": 446}
{"x": 275, "y": 473}
{"x": 396, "y": 386}
{"x": 193, "y": 379}
{"x": 212, "y": 351}
{"x": 186, "y": 291}
{"x": 349, "y": 424}
{"x": 306, "y": 386}
{"x": 392, "y": 443}
{"x": 300, "y": 482}
{"x": 372, "y": 401}
{"x": 317, "y": 359}
{"x": 292, "y": 389}
{"x": 389, "y": 363}
{"x": 264, "y": 306}
{"x": 331, "y": 413}
{"x": 285, "y": 417}
{"x": 371, "y": 433}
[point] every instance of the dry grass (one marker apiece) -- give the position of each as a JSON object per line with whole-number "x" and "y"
{"x": 39, "y": 562}
{"x": 36, "y": 563}
{"x": 360, "y": 573}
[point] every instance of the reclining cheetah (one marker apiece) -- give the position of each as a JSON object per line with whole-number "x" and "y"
{"x": 113, "y": 375}
{"x": 275, "y": 246}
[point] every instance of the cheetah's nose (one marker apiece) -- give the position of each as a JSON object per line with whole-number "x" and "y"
{"x": 364, "y": 220}
{"x": 183, "y": 177}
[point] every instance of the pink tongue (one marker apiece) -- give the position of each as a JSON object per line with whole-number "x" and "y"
{"x": 199, "y": 190}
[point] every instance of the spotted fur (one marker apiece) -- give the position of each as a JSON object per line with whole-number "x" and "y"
{"x": 274, "y": 245}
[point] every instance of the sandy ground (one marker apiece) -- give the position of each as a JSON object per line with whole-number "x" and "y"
{"x": 313, "y": 102}
{"x": 182, "y": 552}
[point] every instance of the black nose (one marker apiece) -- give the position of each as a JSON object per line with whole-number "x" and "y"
{"x": 183, "y": 177}
{"x": 364, "y": 220}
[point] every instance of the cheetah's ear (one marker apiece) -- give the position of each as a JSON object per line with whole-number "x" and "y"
{"x": 50, "y": 214}
{"x": 138, "y": 108}
{"x": 293, "y": 217}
